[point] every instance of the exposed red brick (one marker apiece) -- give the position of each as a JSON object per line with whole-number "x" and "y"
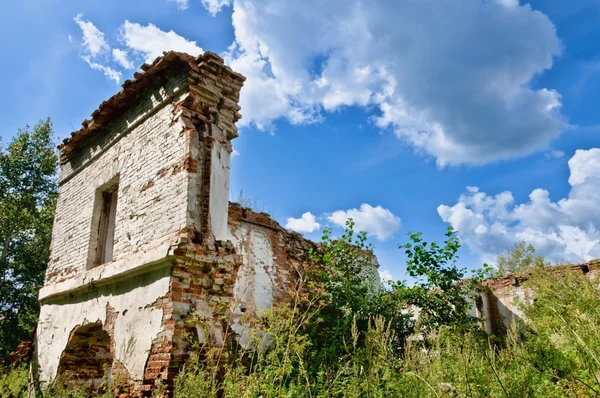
{"x": 147, "y": 185}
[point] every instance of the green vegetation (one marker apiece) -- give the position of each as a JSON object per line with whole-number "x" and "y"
{"x": 250, "y": 202}
{"x": 339, "y": 334}
{"x": 342, "y": 338}
{"x": 442, "y": 301}
{"x": 519, "y": 259}
{"x": 14, "y": 381}
{"x": 27, "y": 199}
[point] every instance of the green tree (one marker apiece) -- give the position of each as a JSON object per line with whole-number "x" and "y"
{"x": 438, "y": 292}
{"x": 519, "y": 259}
{"x": 28, "y": 188}
{"x": 354, "y": 295}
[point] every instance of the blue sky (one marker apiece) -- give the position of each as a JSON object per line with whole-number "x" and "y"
{"x": 407, "y": 115}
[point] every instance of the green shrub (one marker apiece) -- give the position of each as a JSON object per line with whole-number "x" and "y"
{"x": 339, "y": 338}
{"x": 14, "y": 381}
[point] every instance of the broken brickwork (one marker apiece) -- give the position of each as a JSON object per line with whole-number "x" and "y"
{"x": 145, "y": 241}
{"x": 86, "y": 356}
{"x": 498, "y": 303}
{"x": 146, "y": 249}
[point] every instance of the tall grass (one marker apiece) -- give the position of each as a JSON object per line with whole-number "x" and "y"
{"x": 14, "y": 381}
{"x": 325, "y": 341}
{"x": 554, "y": 353}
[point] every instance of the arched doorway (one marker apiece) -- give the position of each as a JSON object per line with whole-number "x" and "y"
{"x": 86, "y": 360}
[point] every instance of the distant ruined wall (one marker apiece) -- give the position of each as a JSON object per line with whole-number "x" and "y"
{"x": 499, "y": 305}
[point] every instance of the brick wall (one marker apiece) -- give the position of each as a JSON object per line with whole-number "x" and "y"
{"x": 152, "y": 194}
{"x": 500, "y": 301}
{"x": 166, "y": 138}
{"x": 186, "y": 262}
{"x": 215, "y": 283}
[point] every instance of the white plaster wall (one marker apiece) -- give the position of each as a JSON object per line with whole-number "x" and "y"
{"x": 219, "y": 191}
{"x": 254, "y": 285}
{"x": 210, "y": 327}
{"x": 484, "y": 314}
{"x": 253, "y": 289}
{"x": 509, "y": 304}
{"x": 134, "y": 332}
{"x": 136, "y": 325}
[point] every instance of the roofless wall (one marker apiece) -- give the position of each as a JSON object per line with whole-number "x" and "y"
{"x": 145, "y": 241}
{"x": 143, "y": 200}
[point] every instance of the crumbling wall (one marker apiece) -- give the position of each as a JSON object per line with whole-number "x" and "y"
{"x": 186, "y": 263}
{"x": 499, "y": 303}
{"x": 86, "y": 358}
{"x": 130, "y": 311}
{"x": 209, "y": 114}
{"x": 215, "y": 283}
{"x": 273, "y": 257}
{"x": 146, "y": 150}
{"x": 165, "y": 138}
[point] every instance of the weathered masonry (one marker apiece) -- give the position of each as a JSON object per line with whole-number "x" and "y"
{"x": 144, "y": 234}
{"x": 498, "y": 305}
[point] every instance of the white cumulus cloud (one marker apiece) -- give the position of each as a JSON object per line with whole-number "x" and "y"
{"x": 122, "y": 58}
{"x": 375, "y": 221}
{"x": 150, "y": 41}
{"x": 93, "y": 39}
{"x": 452, "y": 80}
{"x": 215, "y": 6}
{"x": 109, "y": 72}
{"x": 306, "y": 223}
{"x": 386, "y": 275}
{"x": 142, "y": 43}
{"x": 93, "y": 47}
{"x": 568, "y": 229}
{"x": 181, "y": 4}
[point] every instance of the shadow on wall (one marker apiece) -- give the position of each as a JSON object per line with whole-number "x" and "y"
{"x": 499, "y": 305}
{"x": 503, "y": 311}
{"x": 128, "y": 117}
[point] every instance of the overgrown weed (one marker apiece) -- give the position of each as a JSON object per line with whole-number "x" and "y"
{"x": 336, "y": 336}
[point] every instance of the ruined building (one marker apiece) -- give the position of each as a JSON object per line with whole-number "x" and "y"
{"x": 499, "y": 302}
{"x": 144, "y": 234}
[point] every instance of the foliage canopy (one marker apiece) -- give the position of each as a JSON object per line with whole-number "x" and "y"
{"x": 519, "y": 259}
{"x": 27, "y": 200}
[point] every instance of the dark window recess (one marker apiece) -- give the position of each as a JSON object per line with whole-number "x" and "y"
{"x": 585, "y": 268}
{"x": 106, "y": 226}
{"x": 479, "y": 305}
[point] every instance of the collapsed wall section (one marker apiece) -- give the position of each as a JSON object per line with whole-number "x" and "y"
{"x": 132, "y": 312}
{"x": 209, "y": 114}
{"x": 217, "y": 283}
{"x": 273, "y": 256}
{"x": 500, "y": 300}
